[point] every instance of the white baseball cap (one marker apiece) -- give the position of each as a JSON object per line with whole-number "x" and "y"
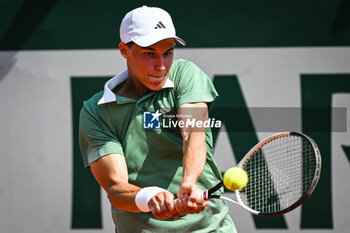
{"x": 146, "y": 26}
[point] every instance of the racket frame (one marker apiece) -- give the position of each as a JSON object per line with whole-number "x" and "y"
{"x": 312, "y": 186}
{"x": 207, "y": 194}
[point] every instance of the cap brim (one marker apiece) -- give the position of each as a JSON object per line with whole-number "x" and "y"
{"x": 181, "y": 41}
{"x": 148, "y": 41}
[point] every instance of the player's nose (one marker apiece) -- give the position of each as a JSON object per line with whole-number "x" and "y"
{"x": 160, "y": 64}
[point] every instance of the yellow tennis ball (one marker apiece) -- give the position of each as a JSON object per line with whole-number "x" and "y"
{"x": 235, "y": 178}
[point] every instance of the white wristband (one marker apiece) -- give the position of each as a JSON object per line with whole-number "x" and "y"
{"x": 144, "y": 196}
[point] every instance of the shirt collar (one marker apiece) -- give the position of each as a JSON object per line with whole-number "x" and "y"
{"x": 108, "y": 94}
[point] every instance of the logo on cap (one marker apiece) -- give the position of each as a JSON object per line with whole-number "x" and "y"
{"x": 160, "y": 25}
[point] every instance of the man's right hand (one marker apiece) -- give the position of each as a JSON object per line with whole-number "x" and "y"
{"x": 188, "y": 202}
{"x": 184, "y": 206}
{"x": 162, "y": 206}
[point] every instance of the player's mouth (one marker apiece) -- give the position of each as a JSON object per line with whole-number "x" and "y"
{"x": 156, "y": 81}
{"x": 157, "y": 77}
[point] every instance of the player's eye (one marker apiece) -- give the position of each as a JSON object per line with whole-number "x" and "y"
{"x": 169, "y": 53}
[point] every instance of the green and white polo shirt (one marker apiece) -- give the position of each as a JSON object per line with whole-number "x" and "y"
{"x": 112, "y": 124}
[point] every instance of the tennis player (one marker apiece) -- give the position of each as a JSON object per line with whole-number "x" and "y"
{"x": 141, "y": 165}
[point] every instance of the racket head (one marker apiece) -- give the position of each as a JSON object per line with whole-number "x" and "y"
{"x": 283, "y": 171}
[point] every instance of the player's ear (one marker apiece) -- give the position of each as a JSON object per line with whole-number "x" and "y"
{"x": 124, "y": 49}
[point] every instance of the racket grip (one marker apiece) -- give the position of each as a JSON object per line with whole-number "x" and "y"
{"x": 203, "y": 196}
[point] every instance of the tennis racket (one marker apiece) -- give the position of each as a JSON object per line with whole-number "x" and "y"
{"x": 283, "y": 171}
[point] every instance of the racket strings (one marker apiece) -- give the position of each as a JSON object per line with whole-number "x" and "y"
{"x": 295, "y": 160}
{"x": 292, "y": 163}
{"x": 261, "y": 191}
{"x": 284, "y": 147}
{"x": 267, "y": 177}
{"x": 279, "y": 174}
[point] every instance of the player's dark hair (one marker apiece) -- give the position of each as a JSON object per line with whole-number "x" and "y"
{"x": 130, "y": 44}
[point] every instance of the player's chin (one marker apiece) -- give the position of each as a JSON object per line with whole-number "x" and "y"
{"x": 155, "y": 84}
